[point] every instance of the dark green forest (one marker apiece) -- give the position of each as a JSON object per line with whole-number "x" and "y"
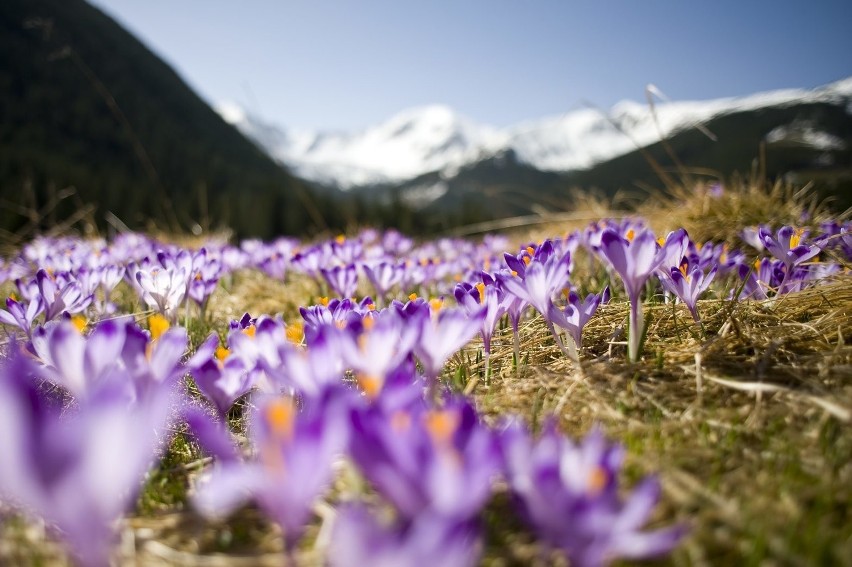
{"x": 89, "y": 113}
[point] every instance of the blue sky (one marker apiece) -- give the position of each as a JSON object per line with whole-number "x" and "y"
{"x": 347, "y": 64}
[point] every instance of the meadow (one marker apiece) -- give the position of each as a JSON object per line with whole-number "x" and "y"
{"x": 673, "y": 386}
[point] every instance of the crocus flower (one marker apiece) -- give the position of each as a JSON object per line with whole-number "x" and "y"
{"x": 293, "y": 465}
{"x": 343, "y": 280}
{"x": 577, "y": 313}
{"x": 569, "y": 494}
{"x": 206, "y": 271}
{"x": 788, "y": 245}
{"x": 441, "y": 460}
{"x": 21, "y": 314}
{"x": 441, "y": 336}
{"x": 376, "y": 349}
{"x": 60, "y": 296}
{"x": 360, "y": 538}
{"x": 222, "y": 378}
{"x": 688, "y": 284}
{"x": 80, "y": 364}
{"x": 384, "y": 276}
{"x": 153, "y": 359}
{"x": 163, "y": 289}
{"x": 545, "y": 275}
{"x": 634, "y": 259}
{"x": 79, "y": 470}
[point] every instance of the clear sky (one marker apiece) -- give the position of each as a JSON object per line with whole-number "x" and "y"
{"x": 347, "y": 64}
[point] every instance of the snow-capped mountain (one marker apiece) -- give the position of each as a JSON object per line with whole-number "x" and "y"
{"x": 436, "y": 138}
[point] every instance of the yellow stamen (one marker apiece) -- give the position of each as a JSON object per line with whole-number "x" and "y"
{"x": 661, "y": 241}
{"x": 631, "y": 234}
{"x": 222, "y": 353}
{"x": 158, "y": 325}
{"x": 796, "y": 238}
{"x": 198, "y": 277}
{"x": 527, "y": 260}
{"x": 531, "y": 250}
{"x": 368, "y": 323}
{"x": 683, "y": 268}
{"x": 323, "y": 301}
{"x": 295, "y": 332}
{"x": 79, "y": 322}
{"x": 566, "y": 292}
{"x": 280, "y": 415}
{"x": 441, "y": 425}
{"x": 370, "y": 384}
{"x": 13, "y": 297}
{"x": 757, "y": 264}
{"x": 436, "y": 304}
{"x": 340, "y": 239}
{"x": 514, "y": 273}
{"x": 480, "y": 287}
{"x": 597, "y": 480}
{"x": 424, "y": 262}
{"x": 457, "y": 277}
{"x": 412, "y": 297}
{"x": 250, "y": 331}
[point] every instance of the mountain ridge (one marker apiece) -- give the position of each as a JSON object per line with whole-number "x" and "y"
{"x": 421, "y": 140}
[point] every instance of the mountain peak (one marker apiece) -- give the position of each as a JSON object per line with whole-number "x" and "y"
{"x": 435, "y": 137}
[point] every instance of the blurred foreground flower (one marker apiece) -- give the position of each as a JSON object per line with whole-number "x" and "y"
{"x": 295, "y": 450}
{"x": 569, "y": 495}
{"x": 78, "y": 470}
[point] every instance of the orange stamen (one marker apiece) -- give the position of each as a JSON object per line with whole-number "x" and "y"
{"x": 370, "y": 384}
{"x": 79, "y": 322}
{"x": 222, "y": 353}
{"x": 597, "y": 480}
{"x": 280, "y": 415}
{"x": 441, "y": 425}
{"x": 158, "y": 325}
{"x": 295, "y": 332}
{"x": 480, "y": 287}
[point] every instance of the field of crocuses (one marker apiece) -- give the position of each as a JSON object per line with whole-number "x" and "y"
{"x": 424, "y": 404}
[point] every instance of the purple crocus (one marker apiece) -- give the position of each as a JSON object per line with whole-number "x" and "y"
{"x": 441, "y": 336}
{"x": 206, "y": 271}
{"x": 544, "y": 276}
{"x": 569, "y": 494}
{"x": 163, "y": 289}
{"x": 60, "y": 295}
{"x": 360, "y": 538}
{"x": 78, "y": 470}
{"x": 81, "y": 365}
{"x": 295, "y": 450}
{"x": 420, "y": 459}
{"x": 634, "y": 259}
{"x": 21, "y": 314}
{"x": 576, "y": 314}
{"x": 383, "y": 276}
{"x": 789, "y": 245}
{"x": 222, "y": 378}
{"x": 380, "y": 346}
{"x": 688, "y": 284}
{"x": 343, "y": 280}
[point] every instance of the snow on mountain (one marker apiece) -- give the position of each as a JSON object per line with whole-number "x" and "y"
{"x": 436, "y": 138}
